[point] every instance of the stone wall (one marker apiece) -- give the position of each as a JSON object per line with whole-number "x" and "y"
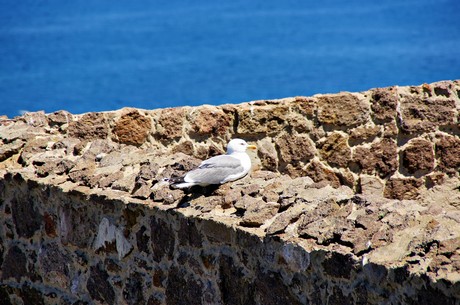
{"x": 354, "y": 198}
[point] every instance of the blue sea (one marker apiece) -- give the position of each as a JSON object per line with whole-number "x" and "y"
{"x": 101, "y": 55}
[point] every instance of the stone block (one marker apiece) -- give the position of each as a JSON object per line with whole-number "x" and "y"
{"x": 419, "y": 114}
{"x": 210, "y": 121}
{"x": 342, "y": 110}
{"x": 295, "y": 148}
{"x": 402, "y": 188}
{"x": 170, "y": 123}
{"x": 335, "y": 150}
{"x": 99, "y": 286}
{"x": 163, "y": 239}
{"x": 267, "y": 154}
{"x": 132, "y": 128}
{"x": 262, "y": 119}
{"x": 380, "y": 158}
{"x": 418, "y": 156}
{"x": 384, "y": 103}
{"x": 448, "y": 153}
{"x": 319, "y": 172}
{"x": 90, "y": 126}
{"x": 15, "y": 264}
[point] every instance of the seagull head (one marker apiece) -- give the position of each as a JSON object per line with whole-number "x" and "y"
{"x": 238, "y": 145}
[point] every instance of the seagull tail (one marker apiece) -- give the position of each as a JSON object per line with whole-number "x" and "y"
{"x": 178, "y": 182}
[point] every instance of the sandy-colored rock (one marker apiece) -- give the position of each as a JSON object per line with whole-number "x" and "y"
{"x": 258, "y": 212}
{"x": 267, "y": 154}
{"x": 132, "y": 128}
{"x": 210, "y": 120}
{"x": 262, "y": 119}
{"x": 90, "y": 126}
{"x": 343, "y": 110}
{"x": 318, "y": 172}
{"x": 295, "y": 148}
{"x": 170, "y": 123}
{"x": 335, "y": 150}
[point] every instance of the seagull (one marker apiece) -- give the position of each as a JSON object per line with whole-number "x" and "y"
{"x": 219, "y": 169}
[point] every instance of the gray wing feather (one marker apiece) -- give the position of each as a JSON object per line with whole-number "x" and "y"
{"x": 215, "y": 170}
{"x": 223, "y": 161}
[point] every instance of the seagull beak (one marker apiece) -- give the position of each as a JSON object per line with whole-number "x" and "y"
{"x": 253, "y": 147}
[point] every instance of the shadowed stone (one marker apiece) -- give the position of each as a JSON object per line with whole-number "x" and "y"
{"x": 26, "y": 217}
{"x": 15, "y": 264}
{"x": 183, "y": 289}
{"x": 98, "y": 285}
{"x": 270, "y": 289}
{"x": 162, "y": 238}
{"x": 234, "y": 286}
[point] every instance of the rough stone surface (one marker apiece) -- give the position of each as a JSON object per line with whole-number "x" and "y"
{"x": 380, "y": 158}
{"x": 447, "y": 151}
{"x": 384, "y": 104}
{"x": 132, "y": 128}
{"x": 345, "y": 110}
{"x": 420, "y": 114}
{"x": 335, "y": 150}
{"x": 418, "y": 156}
{"x": 351, "y": 199}
{"x": 89, "y": 127}
{"x": 210, "y": 121}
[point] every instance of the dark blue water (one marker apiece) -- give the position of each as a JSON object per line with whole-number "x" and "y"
{"x": 103, "y": 55}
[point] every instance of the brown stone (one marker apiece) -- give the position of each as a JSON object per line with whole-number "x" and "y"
{"x": 256, "y": 214}
{"x": 98, "y": 285}
{"x": 185, "y": 147}
{"x": 305, "y": 106}
{"x": 344, "y": 110}
{"x": 15, "y": 264}
{"x": 425, "y": 114}
{"x": 59, "y": 118}
{"x": 170, "y": 123}
{"x": 364, "y": 134}
{"x": 380, "y": 158}
{"x": 418, "y": 156}
{"x": 390, "y": 130}
{"x": 384, "y": 103}
{"x": 295, "y": 148}
{"x": 89, "y": 127}
{"x": 318, "y": 172}
{"x": 162, "y": 237}
{"x": 262, "y": 119}
{"x": 36, "y": 119}
{"x": 402, "y": 188}
{"x": 207, "y": 120}
{"x": 267, "y": 154}
{"x": 335, "y": 150}
{"x": 132, "y": 128}
{"x": 448, "y": 153}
